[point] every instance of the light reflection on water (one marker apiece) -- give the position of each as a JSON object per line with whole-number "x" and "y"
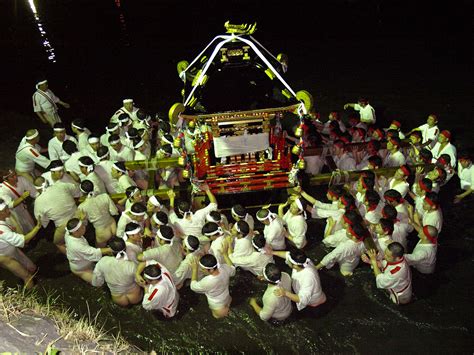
{"x": 45, "y": 41}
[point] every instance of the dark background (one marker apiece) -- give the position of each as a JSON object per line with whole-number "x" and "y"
{"x": 411, "y": 58}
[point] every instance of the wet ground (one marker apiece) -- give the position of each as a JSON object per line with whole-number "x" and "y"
{"x": 408, "y": 60}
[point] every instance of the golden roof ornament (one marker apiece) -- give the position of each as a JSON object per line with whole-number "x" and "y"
{"x": 243, "y": 29}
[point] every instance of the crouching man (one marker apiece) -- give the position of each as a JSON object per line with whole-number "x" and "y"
{"x": 119, "y": 274}
{"x": 160, "y": 290}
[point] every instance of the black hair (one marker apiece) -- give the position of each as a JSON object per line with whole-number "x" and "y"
{"x": 59, "y": 125}
{"x": 87, "y": 160}
{"x": 87, "y": 186}
{"x": 152, "y": 270}
{"x": 72, "y": 223}
{"x": 240, "y": 211}
{"x": 116, "y": 244}
{"x": 167, "y": 148}
{"x": 375, "y": 160}
{"x": 193, "y": 242}
{"x": 259, "y": 240}
{"x": 209, "y": 227}
{"x": 69, "y": 146}
{"x": 389, "y": 212}
{"x": 184, "y": 206}
{"x": 428, "y": 183}
{"x": 131, "y": 226}
{"x": 138, "y": 207}
{"x": 141, "y": 114}
{"x": 129, "y": 190}
{"x": 243, "y": 227}
{"x": 162, "y": 217}
{"x": 368, "y": 181}
{"x": 132, "y": 132}
{"x": 114, "y": 137}
{"x": 394, "y": 194}
{"x": 372, "y": 197}
{"x": 337, "y": 190}
{"x": 298, "y": 255}
{"x": 55, "y": 164}
{"x": 167, "y": 232}
{"x": 272, "y": 272}
{"x": 215, "y": 215}
{"x": 123, "y": 116}
{"x": 353, "y": 216}
{"x": 433, "y": 196}
{"x": 426, "y": 155}
{"x": 396, "y": 249}
{"x": 102, "y": 151}
{"x": 79, "y": 122}
{"x": 208, "y": 260}
{"x": 387, "y": 225}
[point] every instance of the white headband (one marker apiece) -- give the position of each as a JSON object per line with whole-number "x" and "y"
{"x": 127, "y": 101}
{"x": 93, "y": 140}
{"x": 89, "y": 193}
{"x": 59, "y": 129}
{"x": 112, "y": 129}
{"x": 166, "y": 140}
{"x": 159, "y": 235}
{"x": 210, "y": 219}
{"x": 238, "y": 215}
{"x": 120, "y": 169}
{"x": 114, "y": 141}
{"x": 304, "y": 264}
{"x": 43, "y": 186}
{"x": 135, "y": 231}
{"x": 76, "y": 228}
{"x": 58, "y": 168}
{"x": 138, "y": 213}
{"x": 266, "y": 277}
{"x": 209, "y": 267}
{"x": 152, "y": 277}
{"x": 76, "y": 126}
{"x": 139, "y": 144}
{"x": 261, "y": 250}
{"x": 90, "y": 168}
{"x": 3, "y": 205}
{"x": 121, "y": 255}
{"x": 186, "y": 242}
{"x": 154, "y": 201}
{"x": 269, "y": 216}
{"x": 41, "y": 83}
{"x": 217, "y": 231}
{"x": 33, "y": 136}
{"x": 156, "y": 220}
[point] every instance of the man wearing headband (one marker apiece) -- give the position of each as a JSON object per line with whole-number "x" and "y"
{"x": 396, "y": 126}
{"x": 274, "y": 307}
{"x": 119, "y": 274}
{"x": 274, "y": 231}
{"x": 217, "y": 237}
{"x": 429, "y": 131}
{"x": 56, "y": 203}
{"x": 399, "y": 180}
{"x": 394, "y": 198}
{"x": 104, "y": 169}
{"x": 11, "y": 257}
{"x": 304, "y": 280}
{"x": 372, "y": 207}
{"x": 119, "y": 151}
{"x": 55, "y": 144}
{"x": 423, "y": 256}
{"x": 242, "y": 241}
{"x": 121, "y": 178}
{"x": 393, "y": 273}
{"x": 143, "y": 120}
{"x": 133, "y": 194}
{"x": 466, "y": 177}
{"x": 367, "y": 112}
{"x": 160, "y": 290}
{"x": 437, "y": 176}
{"x": 45, "y": 104}
{"x": 168, "y": 253}
{"x": 82, "y": 133}
{"x": 140, "y": 176}
{"x": 71, "y": 161}
{"x": 395, "y": 156}
{"x": 191, "y": 223}
{"x": 400, "y": 229}
{"x": 367, "y": 159}
{"x": 433, "y": 215}
{"x": 87, "y": 165}
{"x": 215, "y": 285}
{"x": 155, "y": 204}
{"x": 347, "y": 254}
{"x": 133, "y": 237}
{"x": 238, "y": 213}
{"x": 56, "y": 173}
{"x": 383, "y": 237}
{"x": 28, "y": 154}
{"x": 294, "y": 220}
{"x": 334, "y": 116}
{"x": 348, "y": 219}
{"x": 14, "y": 190}
{"x": 342, "y": 158}
{"x": 136, "y": 213}
{"x": 192, "y": 251}
{"x": 255, "y": 261}
{"x": 80, "y": 254}
{"x": 444, "y": 146}
{"x": 111, "y": 129}
{"x": 418, "y": 192}
{"x": 444, "y": 161}
{"x": 127, "y": 108}
{"x": 98, "y": 210}
{"x": 93, "y": 144}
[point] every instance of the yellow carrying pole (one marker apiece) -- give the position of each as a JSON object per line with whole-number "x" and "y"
{"x": 151, "y": 164}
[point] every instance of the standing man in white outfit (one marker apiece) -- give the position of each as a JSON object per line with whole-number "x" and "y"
{"x": 45, "y": 104}
{"x": 367, "y": 112}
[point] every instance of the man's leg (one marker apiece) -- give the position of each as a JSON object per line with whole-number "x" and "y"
{"x": 17, "y": 269}
{"x": 58, "y": 238}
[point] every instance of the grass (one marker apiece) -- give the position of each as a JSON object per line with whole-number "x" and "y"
{"x": 85, "y": 334}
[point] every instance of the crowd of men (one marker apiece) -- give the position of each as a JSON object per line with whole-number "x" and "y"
{"x": 146, "y": 250}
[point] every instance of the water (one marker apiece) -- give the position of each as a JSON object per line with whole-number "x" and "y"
{"x": 408, "y": 66}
